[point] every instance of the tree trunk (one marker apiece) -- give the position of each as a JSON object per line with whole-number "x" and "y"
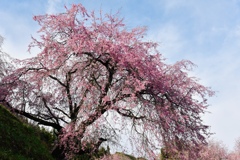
{"x": 58, "y": 152}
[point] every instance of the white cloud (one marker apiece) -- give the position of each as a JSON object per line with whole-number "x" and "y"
{"x": 171, "y": 42}
{"x": 221, "y": 71}
{"x": 53, "y": 6}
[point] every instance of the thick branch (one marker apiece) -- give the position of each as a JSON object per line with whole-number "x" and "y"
{"x": 99, "y": 142}
{"x": 92, "y": 118}
{"x": 70, "y": 103}
{"x": 81, "y": 102}
{"x": 32, "y": 117}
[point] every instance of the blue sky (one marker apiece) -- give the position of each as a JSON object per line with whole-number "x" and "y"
{"x": 205, "y": 32}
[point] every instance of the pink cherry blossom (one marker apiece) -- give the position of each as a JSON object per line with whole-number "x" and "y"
{"x": 93, "y": 67}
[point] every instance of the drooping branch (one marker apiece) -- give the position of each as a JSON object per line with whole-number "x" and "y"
{"x": 129, "y": 114}
{"x": 60, "y": 110}
{"x": 56, "y": 79}
{"x": 52, "y": 115}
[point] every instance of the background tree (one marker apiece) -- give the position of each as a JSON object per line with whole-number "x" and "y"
{"x": 215, "y": 150}
{"x": 235, "y": 154}
{"x": 93, "y": 77}
{"x": 237, "y": 146}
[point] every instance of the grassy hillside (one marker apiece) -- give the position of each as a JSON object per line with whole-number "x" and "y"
{"x": 20, "y": 141}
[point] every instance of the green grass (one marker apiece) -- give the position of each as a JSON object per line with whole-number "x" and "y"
{"x": 21, "y": 141}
